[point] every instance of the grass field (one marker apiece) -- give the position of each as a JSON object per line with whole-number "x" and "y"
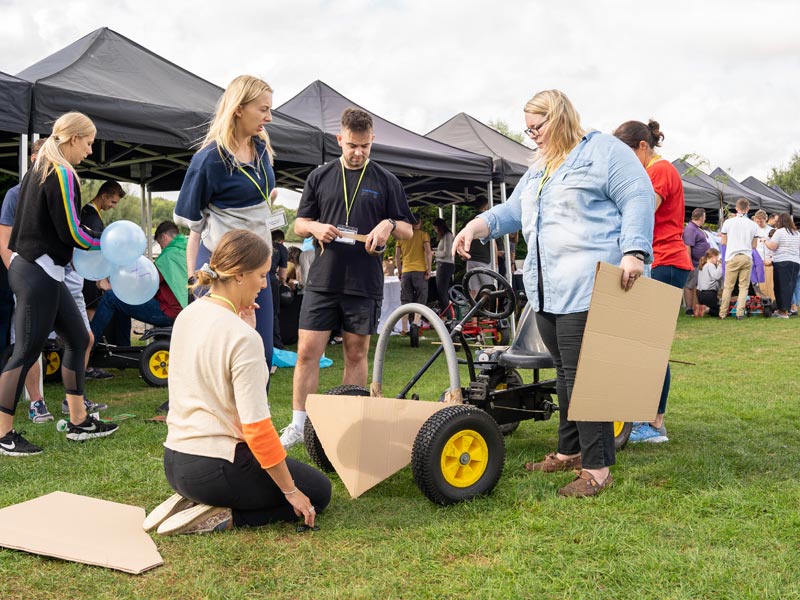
{"x": 711, "y": 514}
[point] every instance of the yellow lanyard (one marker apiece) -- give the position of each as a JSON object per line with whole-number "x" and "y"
{"x": 348, "y": 203}
{"x": 545, "y": 178}
{"x": 656, "y": 158}
{"x": 265, "y": 196}
{"x": 218, "y": 297}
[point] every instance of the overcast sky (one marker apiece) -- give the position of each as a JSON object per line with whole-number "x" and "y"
{"x": 721, "y": 76}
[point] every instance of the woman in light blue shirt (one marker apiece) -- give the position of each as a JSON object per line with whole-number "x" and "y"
{"x": 586, "y": 199}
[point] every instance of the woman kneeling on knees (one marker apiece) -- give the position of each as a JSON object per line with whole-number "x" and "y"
{"x": 223, "y": 456}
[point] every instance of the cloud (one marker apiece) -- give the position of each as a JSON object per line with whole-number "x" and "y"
{"x": 720, "y": 76}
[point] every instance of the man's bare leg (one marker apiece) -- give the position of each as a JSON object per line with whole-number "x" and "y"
{"x": 356, "y": 349}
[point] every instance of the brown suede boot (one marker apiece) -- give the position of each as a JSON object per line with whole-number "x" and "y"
{"x": 553, "y": 464}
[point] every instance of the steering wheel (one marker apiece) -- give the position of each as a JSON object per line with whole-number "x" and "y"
{"x": 457, "y": 296}
{"x": 504, "y": 291}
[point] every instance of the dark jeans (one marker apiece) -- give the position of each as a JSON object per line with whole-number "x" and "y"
{"x": 563, "y": 335}
{"x": 709, "y": 298}
{"x": 676, "y": 278}
{"x": 243, "y": 486}
{"x": 43, "y": 304}
{"x": 264, "y": 316}
{"x": 110, "y": 304}
{"x": 785, "y": 273}
{"x": 275, "y": 287}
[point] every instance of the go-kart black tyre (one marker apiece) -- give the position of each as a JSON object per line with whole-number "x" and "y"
{"x": 413, "y": 335}
{"x": 313, "y": 445}
{"x": 501, "y": 380}
{"x": 622, "y": 433}
{"x": 154, "y": 363}
{"x": 53, "y": 357}
{"x": 458, "y": 454}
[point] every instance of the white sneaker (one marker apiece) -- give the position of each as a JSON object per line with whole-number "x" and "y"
{"x": 291, "y": 436}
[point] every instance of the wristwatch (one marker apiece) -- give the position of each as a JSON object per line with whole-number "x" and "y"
{"x": 394, "y": 225}
{"x": 636, "y": 254}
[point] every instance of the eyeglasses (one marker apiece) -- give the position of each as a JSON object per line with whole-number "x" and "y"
{"x": 534, "y": 131}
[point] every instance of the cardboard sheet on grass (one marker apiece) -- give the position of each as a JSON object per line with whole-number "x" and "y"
{"x": 115, "y": 539}
{"x": 367, "y": 439}
{"x": 625, "y": 349}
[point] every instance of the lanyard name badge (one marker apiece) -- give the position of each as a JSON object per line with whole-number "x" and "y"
{"x": 348, "y": 206}
{"x": 264, "y": 194}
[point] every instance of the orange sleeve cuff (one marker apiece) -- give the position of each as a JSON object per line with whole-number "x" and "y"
{"x": 264, "y": 443}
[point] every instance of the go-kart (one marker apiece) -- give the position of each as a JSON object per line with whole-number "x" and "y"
{"x": 152, "y": 359}
{"x": 459, "y": 451}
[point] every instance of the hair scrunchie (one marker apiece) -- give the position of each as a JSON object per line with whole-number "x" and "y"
{"x": 209, "y": 271}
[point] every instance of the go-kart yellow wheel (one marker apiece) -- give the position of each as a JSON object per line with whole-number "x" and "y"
{"x": 464, "y": 458}
{"x": 622, "y": 432}
{"x": 154, "y": 363}
{"x": 458, "y": 454}
{"x": 52, "y": 364}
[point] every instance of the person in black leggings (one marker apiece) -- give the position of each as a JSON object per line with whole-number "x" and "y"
{"x": 46, "y": 229}
{"x": 222, "y": 454}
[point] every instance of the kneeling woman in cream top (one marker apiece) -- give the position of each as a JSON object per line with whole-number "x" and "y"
{"x": 223, "y": 456}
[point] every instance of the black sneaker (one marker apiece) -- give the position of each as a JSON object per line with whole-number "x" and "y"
{"x": 91, "y": 428}
{"x": 164, "y": 408}
{"x": 91, "y": 407}
{"x": 13, "y": 444}
{"x": 98, "y": 374}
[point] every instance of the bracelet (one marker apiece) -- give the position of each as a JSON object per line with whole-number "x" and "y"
{"x": 294, "y": 491}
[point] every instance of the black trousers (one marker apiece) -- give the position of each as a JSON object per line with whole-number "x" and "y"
{"x": 444, "y": 277}
{"x": 710, "y": 298}
{"x": 43, "y": 304}
{"x": 785, "y": 279}
{"x": 563, "y": 335}
{"x": 243, "y": 485}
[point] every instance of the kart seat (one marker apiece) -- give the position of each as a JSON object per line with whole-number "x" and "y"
{"x": 527, "y": 351}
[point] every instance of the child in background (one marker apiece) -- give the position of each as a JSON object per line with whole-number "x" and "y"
{"x": 708, "y": 281}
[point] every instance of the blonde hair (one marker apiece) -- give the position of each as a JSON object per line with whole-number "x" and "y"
{"x": 242, "y": 90}
{"x": 65, "y": 128}
{"x": 238, "y": 251}
{"x": 563, "y": 125}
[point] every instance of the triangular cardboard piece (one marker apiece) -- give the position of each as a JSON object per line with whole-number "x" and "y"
{"x": 367, "y": 439}
{"x": 113, "y": 538}
{"x": 625, "y": 349}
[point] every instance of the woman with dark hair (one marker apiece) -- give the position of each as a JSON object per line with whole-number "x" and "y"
{"x": 785, "y": 244}
{"x": 222, "y": 455}
{"x": 445, "y": 265}
{"x": 593, "y": 182}
{"x": 672, "y": 264}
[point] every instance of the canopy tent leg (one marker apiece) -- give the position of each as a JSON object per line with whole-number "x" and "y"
{"x": 453, "y": 219}
{"x": 509, "y": 269}
{"x": 149, "y": 231}
{"x": 23, "y": 155}
{"x": 492, "y": 245}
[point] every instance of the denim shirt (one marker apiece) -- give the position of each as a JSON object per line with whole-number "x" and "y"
{"x": 596, "y": 206}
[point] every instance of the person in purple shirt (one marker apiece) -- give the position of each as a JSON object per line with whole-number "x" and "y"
{"x": 697, "y": 243}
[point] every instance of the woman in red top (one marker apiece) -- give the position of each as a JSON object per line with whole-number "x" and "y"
{"x": 672, "y": 261}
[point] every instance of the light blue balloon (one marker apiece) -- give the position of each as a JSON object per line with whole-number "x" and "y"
{"x": 122, "y": 242}
{"x": 91, "y": 264}
{"x": 135, "y": 283}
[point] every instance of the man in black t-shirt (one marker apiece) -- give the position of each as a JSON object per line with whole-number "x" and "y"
{"x": 344, "y": 287}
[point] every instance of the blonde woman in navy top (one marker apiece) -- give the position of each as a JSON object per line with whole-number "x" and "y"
{"x": 230, "y": 183}
{"x": 46, "y": 230}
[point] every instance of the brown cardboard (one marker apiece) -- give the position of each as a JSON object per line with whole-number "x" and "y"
{"x": 109, "y": 536}
{"x": 625, "y": 349}
{"x": 367, "y": 439}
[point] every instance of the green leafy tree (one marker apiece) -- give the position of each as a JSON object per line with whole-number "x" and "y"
{"x": 502, "y": 127}
{"x": 787, "y": 178}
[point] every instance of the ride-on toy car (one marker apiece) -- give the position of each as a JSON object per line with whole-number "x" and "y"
{"x": 459, "y": 452}
{"x": 152, "y": 359}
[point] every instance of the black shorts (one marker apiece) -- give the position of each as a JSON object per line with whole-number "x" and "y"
{"x": 325, "y": 311}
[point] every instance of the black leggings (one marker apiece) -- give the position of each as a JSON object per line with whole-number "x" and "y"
{"x": 444, "y": 276}
{"x": 43, "y": 304}
{"x": 244, "y": 486}
{"x": 709, "y": 298}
